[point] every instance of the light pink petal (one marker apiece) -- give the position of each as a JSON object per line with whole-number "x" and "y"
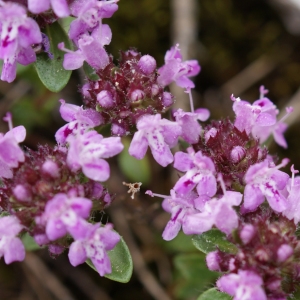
{"x": 226, "y": 219}
{"x": 73, "y": 61}
{"x": 14, "y": 251}
{"x": 103, "y": 266}
{"x": 109, "y": 238}
{"x": 265, "y": 119}
{"x": 61, "y": 8}
{"x": 29, "y": 33}
{"x": 198, "y": 223}
{"x": 9, "y": 71}
{"x": 77, "y": 254}
{"x": 38, "y": 6}
{"x": 183, "y": 161}
{"x": 55, "y": 229}
{"x": 19, "y": 133}
{"x": 96, "y": 169}
{"x": 81, "y": 206}
{"x": 26, "y": 56}
{"x": 139, "y": 145}
{"x": 207, "y": 185}
{"x": 185, "y": 82}
{"x": 253, "y": 197}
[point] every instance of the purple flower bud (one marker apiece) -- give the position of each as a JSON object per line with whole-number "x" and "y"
{"x": 210, "y": 133}
{"x": 167, "y": 99}
{"x": 21, "y": 193}
{"x": 213, "y": 260}
{"x": 137, "y": 95}
{"x": 85, "y": 90}
{"x": 247, "y": 233}
{"x": 237, "y": 154}
{"x": 117, "y": 129}
{"x": 262, "y": 255}
{"x": 51, "y": 168}
{"x": 154, "y": 89}
{"x": 284, "y": 252}
{"x": 56, "y": 249}
{"x": 97, "y": 190}
{"x": 105, "y": 99}
{"x": 147, "y": 64}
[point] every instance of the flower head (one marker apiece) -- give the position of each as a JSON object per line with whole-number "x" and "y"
{"x": 157, "y": 133}
{"x": 265, "y": 180}
{"x": 94, "y": 245}
{"x": 17, "y": 34}
{"x": 177, "y": 70}
{"x": 245, "y": 285}
{"x": 88, "y": 150}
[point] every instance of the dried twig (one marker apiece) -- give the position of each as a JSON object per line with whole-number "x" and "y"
{"x": 140, "y": 267}
{"x": 46, "y": 277}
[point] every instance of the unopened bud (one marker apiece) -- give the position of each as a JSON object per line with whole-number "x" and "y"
{"x": 247, "y": 233}
{"x": 284, "y": 252}
{"x": 237, "y": 154}
{"x": 147, "y": 64}
{"x": 213, "y": 261}
{"x": 105, "y": 99}
{"x": 21, "y": 193}
{"x": 137, "y": 95}
{"x": 167, "y": 99}
{"x": 51, "y": 168}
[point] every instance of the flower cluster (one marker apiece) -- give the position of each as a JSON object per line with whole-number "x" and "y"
{"x": 230, "y": 182}
{"x": 52, "y": 193}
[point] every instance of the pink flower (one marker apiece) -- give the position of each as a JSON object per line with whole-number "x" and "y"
{"x": 11, "y": 246}
{"x": 157, "y": 133}
{"x": 17, "y": 34}
{"x": 265, "y": 180}
{"x": 60, "y": 7}
{"x": 88, "y": 150}
{"x": 94, "y": 244}
{"x": 246, "y": 285}
{"x": 177, "y": 70}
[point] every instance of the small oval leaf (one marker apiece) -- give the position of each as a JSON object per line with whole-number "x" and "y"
{"x": 121, "y": 263}
{"x": 50, "y": 71}
{"x": 214, "y": 294}
{"x": 211, "y": 240}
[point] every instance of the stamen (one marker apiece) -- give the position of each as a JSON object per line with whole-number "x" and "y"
{"x": 61, "y": 46}
{"x": 151, "y": 194}
{"x": 262, "y": 92}
{"x": 8, "y": 119}
{"x": 293, "y": 174}
{"x": 220, "y": 179}
{"x": 288, "y": 110}
{"x": 189, "y": 91}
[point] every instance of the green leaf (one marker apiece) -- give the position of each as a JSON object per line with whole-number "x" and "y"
{"x": 121, "y": 263}
{"x": 51, "y": 71}
{"x": 135, "y": 170}
{"x": 90, "y": 72}
{"x": 192, "y": 275}
{"x": 212, "y": 240}
{"x": 29, "y": 243}
{"x": 214, "y": 294}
